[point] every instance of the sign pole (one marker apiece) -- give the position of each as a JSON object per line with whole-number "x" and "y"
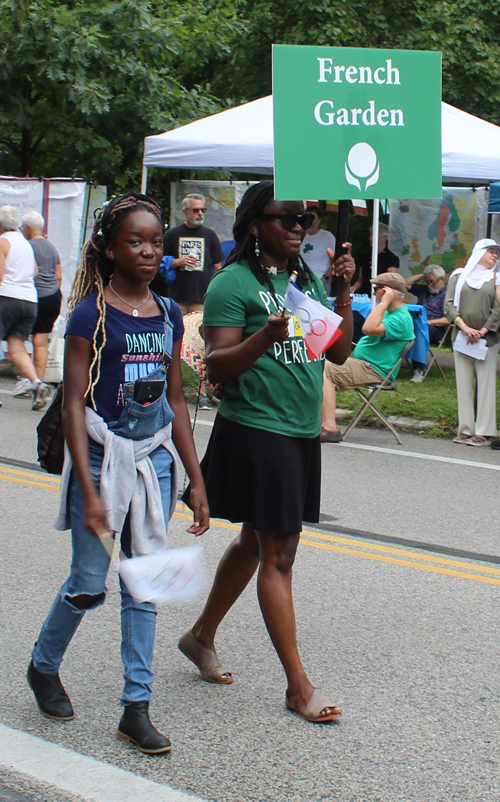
{"x": 375, "y": 227}
{"x": 337, "y": 284}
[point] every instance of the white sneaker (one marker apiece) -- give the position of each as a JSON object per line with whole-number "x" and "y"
{"x": 418, "y": 377}
{"x": 203, "y": 402}
{"x": 22, "y": 388}
{"x": 40, "y": 395}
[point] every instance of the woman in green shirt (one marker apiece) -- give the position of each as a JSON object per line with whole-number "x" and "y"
{"x": 262, "y": 465}
{"x": 471, "y": 305}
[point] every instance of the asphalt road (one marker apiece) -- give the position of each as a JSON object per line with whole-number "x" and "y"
{"x": 405, "y": 639}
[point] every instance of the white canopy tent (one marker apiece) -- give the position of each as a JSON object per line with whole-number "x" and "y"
{"x": 241, "y": 140}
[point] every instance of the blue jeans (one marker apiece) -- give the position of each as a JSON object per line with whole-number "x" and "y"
{"x": 435, "y": 335}
{"x": 89, "y": 568}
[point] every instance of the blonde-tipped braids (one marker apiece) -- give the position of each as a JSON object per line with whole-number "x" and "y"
{"x": 96, "y": 269}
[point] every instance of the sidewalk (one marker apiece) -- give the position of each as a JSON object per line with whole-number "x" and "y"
{"x": 445, "y": 359}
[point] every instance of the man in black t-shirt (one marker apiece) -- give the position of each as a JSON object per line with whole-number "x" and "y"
{"x": 387, "y": 262}
{"x": 197, "y": 256}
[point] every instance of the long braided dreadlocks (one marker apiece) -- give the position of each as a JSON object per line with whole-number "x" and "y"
{"x": 252, "y": 204}
{"x": 96, "y": 269}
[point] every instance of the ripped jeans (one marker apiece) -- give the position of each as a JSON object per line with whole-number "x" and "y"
{"x": 89, "y": 568}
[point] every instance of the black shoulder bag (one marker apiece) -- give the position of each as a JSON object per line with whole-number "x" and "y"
{"x": 50, "y": 436}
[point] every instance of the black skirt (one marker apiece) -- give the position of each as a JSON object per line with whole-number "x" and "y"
{"x": 269, "y": 480}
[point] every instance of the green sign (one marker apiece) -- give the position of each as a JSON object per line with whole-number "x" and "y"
{"x": 356, "y": 123}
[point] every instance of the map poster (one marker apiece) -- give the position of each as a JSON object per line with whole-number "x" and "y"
{"x": 352, "y": 122}
{"x": 222, "y": 198}
{"x": 437, "y": 231}
{"x": 193, "y": 246}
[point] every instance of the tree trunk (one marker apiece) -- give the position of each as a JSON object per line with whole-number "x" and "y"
{"x": 26, "y": 134}
{"x": 26, "y": 151}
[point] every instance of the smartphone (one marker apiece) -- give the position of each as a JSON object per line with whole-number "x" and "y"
{"x": 148, "y": 390}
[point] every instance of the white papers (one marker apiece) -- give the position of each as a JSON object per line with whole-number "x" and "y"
{"x": 167, "y": 577}
{"x": 477, "y": 350}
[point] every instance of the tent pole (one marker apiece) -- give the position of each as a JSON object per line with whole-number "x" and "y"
{"x": 144, "y": 181}
{"x": 375, "y": 228}
{"x": 488, "y": 225}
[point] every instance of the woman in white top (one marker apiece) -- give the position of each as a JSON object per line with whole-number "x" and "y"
{"x": 18, "y": 299}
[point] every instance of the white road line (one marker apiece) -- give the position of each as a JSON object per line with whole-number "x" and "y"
{"x": 432, "y": 457}
{"x": 77, "y": 774}
{"x": 415, "y": 454}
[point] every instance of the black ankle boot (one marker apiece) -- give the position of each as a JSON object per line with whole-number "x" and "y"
{"x": 51, "y": 698}
{"x": 135, "y": 727}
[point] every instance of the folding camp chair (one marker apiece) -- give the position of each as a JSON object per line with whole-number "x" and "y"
{"x": 373, "y": 390}
{"x": 436, "y": 352}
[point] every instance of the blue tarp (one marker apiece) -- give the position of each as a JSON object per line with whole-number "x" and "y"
{"x": 494, "y": 202}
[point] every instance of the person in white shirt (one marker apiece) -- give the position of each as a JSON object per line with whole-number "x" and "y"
{"x": 314, "y": 245}
{"x": 18, "y": 299}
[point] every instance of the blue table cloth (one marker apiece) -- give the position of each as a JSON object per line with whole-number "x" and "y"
{"x": 420, "y": 348}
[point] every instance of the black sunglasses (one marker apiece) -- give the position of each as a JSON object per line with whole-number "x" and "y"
{"x": 289, "y": 220}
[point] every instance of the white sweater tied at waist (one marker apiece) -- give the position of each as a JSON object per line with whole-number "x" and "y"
{"x": 128, "y": 484}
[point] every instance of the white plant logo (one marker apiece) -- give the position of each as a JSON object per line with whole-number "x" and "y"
{"x": 362, "y": 163}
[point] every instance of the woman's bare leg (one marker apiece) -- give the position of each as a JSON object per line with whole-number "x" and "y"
{"x": 21, "y": 358}
{"x": 329, "y": 406}
{"x": 274, "y": 587}
{"x": 40, "y": 353}
{"x": 235, "y": 571}
{"x": 276, "y": 554}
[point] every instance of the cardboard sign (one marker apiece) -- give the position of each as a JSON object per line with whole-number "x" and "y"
{"x": 356, "y": 123}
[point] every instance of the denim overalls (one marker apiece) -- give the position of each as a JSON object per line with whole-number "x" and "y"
{"x": 90, "y": 560}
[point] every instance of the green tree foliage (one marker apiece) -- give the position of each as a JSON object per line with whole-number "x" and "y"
{"x": 84, "y": 81}
{"x": 466, "y": 31}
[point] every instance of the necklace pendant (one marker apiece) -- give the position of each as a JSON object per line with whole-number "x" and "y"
{"x": 135, "y": 313}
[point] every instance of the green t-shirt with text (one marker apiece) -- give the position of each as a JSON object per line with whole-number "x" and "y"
{"x": 383, "y": 352}
{"x": 282, "y": 391}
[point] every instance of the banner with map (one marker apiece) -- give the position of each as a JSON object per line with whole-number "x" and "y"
{"x": 439, "y": 231}
{"x": 222, "y": 198}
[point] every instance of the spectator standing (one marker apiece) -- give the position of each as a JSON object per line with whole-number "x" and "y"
{"x": 197, "y": 256}
{"x": 18, "y": 299}
{"x": 48, "y": 283}
{"x": 430, "y": 295}
{"x": 316, "y": 241}
{"x": 387, "y": 262}
{"x": 471, "y": 305}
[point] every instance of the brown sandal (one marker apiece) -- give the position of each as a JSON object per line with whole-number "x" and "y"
{"x": 206, "y": 661}
{"x": 316, "y": 704}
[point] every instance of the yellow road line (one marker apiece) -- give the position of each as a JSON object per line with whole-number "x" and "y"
{"x": 27, "y": 482}
{"x": 31, "y": 475}
{"x": 315, "y": 544}
{"x": 389, "y": 550}
{"x": 407, "y": 563}
{"x": 380, "y": 558}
